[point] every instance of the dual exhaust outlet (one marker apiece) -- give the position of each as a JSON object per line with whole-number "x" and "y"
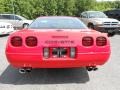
{"x": 91, "y": 68}
{"x": 28, "y": 70}
{"x": 25, "y": 70}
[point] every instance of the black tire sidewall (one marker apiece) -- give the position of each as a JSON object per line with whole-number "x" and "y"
{"x": 25, "y": 25}
{"x": 91, "y": 26}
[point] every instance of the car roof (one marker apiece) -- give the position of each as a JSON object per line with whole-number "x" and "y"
{"x": 92, "y": 11}
{"x": 57, "y": 17}
{"x": 7, "y": 14}
{"x": 10, "y": 14}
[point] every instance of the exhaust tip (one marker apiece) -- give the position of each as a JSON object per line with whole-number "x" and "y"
{"x": 22, "y": 71}
{"x": 25, "y": 70}
{"x": 92, "y": 68}
{"x": 95, "y": 68}
{"x": 89, "y": 68}
{"x": 28, "y": 70}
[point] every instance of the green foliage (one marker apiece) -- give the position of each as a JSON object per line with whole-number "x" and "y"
{"x": 84, "y": 5}
{"x": 35, "y": 8}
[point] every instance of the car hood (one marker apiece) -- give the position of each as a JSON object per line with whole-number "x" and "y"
{"x": 105, "y": 19}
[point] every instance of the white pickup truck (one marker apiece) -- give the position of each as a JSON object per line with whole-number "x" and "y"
{"x": 99, "y": 21}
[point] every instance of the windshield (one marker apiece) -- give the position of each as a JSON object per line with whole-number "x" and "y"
{"x": 97, "y": 15}
{"x": 57, "y": 23}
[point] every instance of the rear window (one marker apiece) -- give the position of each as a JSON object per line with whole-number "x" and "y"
{"x": 57, "y": 23}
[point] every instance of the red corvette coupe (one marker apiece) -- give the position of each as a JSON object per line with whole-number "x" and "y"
{"x": 57, "y": 42}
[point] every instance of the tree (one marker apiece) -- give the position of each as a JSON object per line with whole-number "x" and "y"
{"x": 84, "y": 5}
{"x": 69, "y": 7}
{"x": 35, "y": 8}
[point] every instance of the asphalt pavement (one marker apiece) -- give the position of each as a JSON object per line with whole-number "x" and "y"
{"x": 107, "y": 77}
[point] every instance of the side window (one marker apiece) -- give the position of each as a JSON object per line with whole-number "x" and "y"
{"x": 84, "y": 15}
{"x": 17, "y": 18}
{"x": 1, "y": 17}
{"x": 13, "y": 17}
{"x": 4, "y": 16}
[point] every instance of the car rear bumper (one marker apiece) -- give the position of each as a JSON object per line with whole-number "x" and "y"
{"x": 20, "y": 60}
{"x": 107, "y": 29}
{"x": 5, "y": 33}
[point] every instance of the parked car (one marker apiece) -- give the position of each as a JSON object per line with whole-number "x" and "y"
{"x": 67, "y": 43}
{"x": 99, "y": 21}
{"x": 115, "y": 13}
{"x": 16, "y": 20}
{"x": 6, "y": 28}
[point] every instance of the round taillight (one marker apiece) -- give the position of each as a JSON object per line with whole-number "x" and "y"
{"x": 31, "y": 41}
{"x": 101, "y": 41}
{"x": 16, "y": 41}
{"x": 87, "y": 41}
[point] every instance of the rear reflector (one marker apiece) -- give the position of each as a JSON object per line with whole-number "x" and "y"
{"x": 16, "y": 41}
{"x": 72, "y": 52}
{"x": 87, "y": 41}
{"x": 101, "y": 41}
{"x": 31, "y": 41}
{"x": 46, "y": 52}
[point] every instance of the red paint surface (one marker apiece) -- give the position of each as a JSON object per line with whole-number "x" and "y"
{"x": 25, "y": 56}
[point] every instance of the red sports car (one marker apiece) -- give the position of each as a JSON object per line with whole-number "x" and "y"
{"x": 57, "y": 42}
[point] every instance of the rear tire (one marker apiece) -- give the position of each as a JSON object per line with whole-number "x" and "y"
{"x": 91, "y": 26}
{"x": 25, "y": 25}
{"x": 111, "y": 34}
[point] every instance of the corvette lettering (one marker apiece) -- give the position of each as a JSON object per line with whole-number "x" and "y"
{"x": 58, "y": 42}
{"x": 59, "y": 36}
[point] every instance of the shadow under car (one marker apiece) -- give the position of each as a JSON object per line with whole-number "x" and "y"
{"x": 44, "y": 76}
